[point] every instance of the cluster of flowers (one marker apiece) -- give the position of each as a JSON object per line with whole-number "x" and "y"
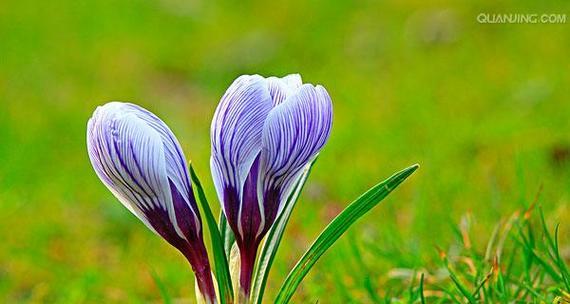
{"x": 264, "y": 134}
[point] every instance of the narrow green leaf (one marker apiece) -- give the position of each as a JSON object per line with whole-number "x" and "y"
{"x": 560, "y": 261}
{"x": 336, "y": 228}
{"x": 532, "y": 290}
{"x": 451, "y": 296}
{"x": 554, "y": 251}
{"x": 464, "y": 291}
{"x": 166, "y": 299}
{"x": 228, "y": 237}
{"x": 411, "y": 293}
{"x": 273, "y": 238}
{"x": 220, "y": 261}
{"x": 422, "y": 297}
{"x": 541, "y": 261}
{"x": 551, "y": 242}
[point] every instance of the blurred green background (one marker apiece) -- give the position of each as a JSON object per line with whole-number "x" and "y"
{"x": 484, "y": 108}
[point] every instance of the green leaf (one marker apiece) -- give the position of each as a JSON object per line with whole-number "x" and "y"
{"x": 273, "y": 238}
{"x": 422, "y": 297}
{"x": 336, "y": 228}
{"x": 462, "y": 288}
{"x": 554, "y": 251}
{"x": 166, "y": 299}
{"x": 220, "y": 261}
{"x": 228, "y": 237}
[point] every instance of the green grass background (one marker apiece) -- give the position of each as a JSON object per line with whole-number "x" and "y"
{"x": 484, "y": 108}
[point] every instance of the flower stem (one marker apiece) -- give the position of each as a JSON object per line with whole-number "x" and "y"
{"x": 197, "y": 256}
{"x": 247, "y": 262}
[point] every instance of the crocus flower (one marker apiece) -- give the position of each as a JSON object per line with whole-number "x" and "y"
{"x": 264, "y": 132}
{"x": 139, "y": 159}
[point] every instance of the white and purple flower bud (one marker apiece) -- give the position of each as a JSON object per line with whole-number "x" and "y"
{"x": 139, "y": 159}
{"x": 264, "y": 132}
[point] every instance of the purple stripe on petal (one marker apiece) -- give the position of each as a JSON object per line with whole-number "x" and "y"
{"x": 264, "y": 133}
{"x": 192, "y": 248}
{"x": 250, "y": 214}
{"x": 294, "y": 132}
{"x": 175, "y": 160}
{"x": 236, "y": 138}
{"x": 231, "y": 207}
{"x": 280, "y": 88}
{"x": 158, "y": 218}
{"x": 184, "y": 218}
{"x": 138, "y": 158}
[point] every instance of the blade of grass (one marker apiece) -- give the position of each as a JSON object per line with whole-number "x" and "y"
{"x": 554, "y": 251}
{"x": 227, "y": 235}
{"x": 363, "y": 270}
{"x": 422, "y": 297}
{"x": 166, "y": 299}
{"x": 491, "y": 242}
{"x": 220, "y": 261}
{"x": 273, "y": 239}
{"x": 541, "y": 261}
{"x": 501, "y": 288}
{"x": 483, "y": 281}
{"x": 531, "y": 290}
{"x": 451, "y": 296}
{"x": 464, "y": 291}
{"x": 411, "y": 293}
{"x": 336, "y": 228}
{"x": 560, "y": 261}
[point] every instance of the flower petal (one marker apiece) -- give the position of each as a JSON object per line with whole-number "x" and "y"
{"x": 138, "y": 158}
{"x": 280, "y": 88}
{"x": 236, "y": 138}
{"x": 294, "y": 132}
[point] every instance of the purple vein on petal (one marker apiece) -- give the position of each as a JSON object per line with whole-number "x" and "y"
{"x": 294, "y": 132}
